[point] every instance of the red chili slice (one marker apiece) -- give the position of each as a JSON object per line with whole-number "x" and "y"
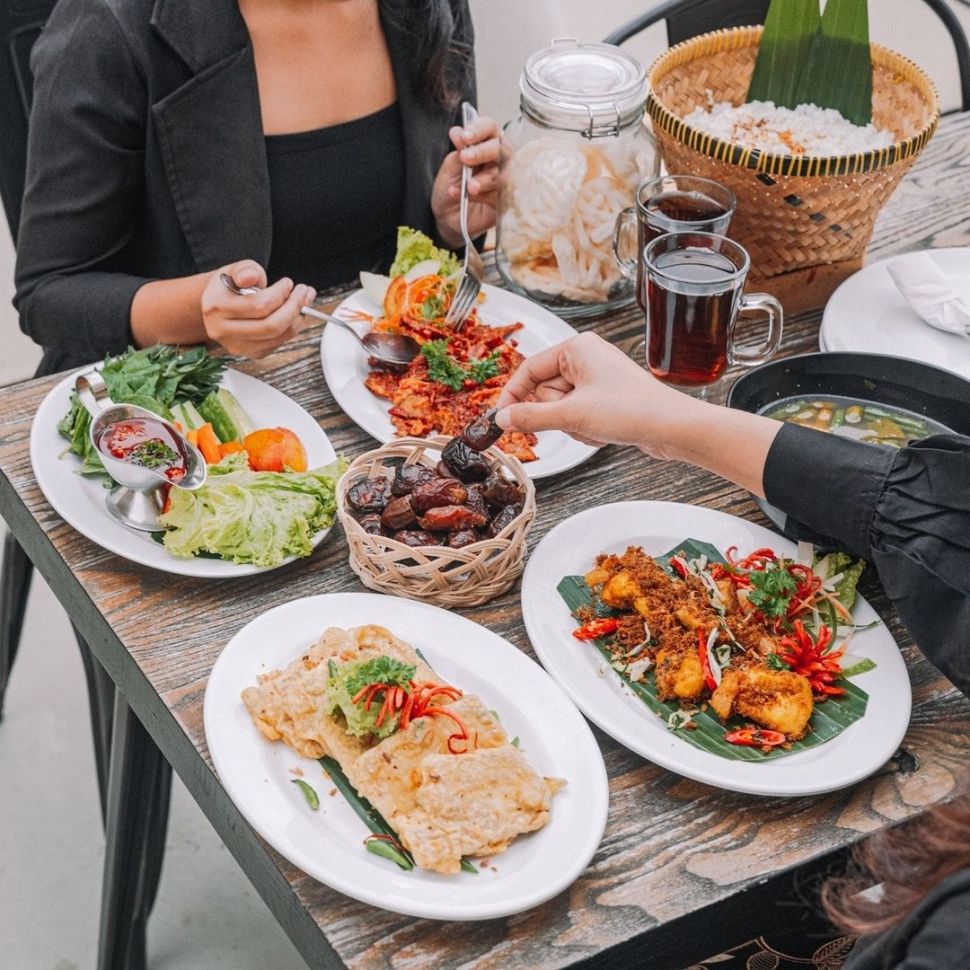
{"x": 597, "y": 628}
{"x": 754, "y": 737}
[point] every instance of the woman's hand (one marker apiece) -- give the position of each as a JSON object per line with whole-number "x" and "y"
{"x": 594, "y": 392}
{"x": 256, "y": 324}
{"x": 478, "y": 146}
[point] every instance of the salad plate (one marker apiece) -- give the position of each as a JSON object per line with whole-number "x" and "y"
{"x": 80, "y": 500}
{"x": 327, "y": 843}
{"x": 571, "y": 549}
{"x": 345, "y": 369}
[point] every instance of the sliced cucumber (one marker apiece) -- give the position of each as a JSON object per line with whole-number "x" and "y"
{"x": 187, "y": 414}
{"x": 226, "y": 415}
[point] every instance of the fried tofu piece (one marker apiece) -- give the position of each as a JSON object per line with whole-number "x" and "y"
{"x": 679, "y": 674}
{"x": 780, "y": 700}
{"x": 473, "y": 804}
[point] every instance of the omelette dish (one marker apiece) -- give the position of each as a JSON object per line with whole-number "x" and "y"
{"x": 741, "y": 638}
{"x": 434, "y": 761}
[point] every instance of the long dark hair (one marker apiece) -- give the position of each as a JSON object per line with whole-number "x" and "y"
{"x": 442, "y": 34}
{"x": 909, "y": 860}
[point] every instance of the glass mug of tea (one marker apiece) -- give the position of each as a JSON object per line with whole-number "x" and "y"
{"x": 693, "y": 291}
{"x": 670, "y": 203}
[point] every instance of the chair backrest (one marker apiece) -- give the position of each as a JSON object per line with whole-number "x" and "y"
{"x": 688, "y": 18}
{"x": 21, "y": 22}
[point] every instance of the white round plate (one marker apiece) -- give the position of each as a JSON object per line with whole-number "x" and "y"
{"x": 79, "y": 501}
{"x": 570, "y": 549}
{"x": 867, "y": 314}
{"x": 328, "y": 843}
{"x": 345, "y": 368}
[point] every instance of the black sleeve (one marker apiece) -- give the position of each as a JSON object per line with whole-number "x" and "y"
{"x": 907, "y": 511}
{"x": 84, "y": 186}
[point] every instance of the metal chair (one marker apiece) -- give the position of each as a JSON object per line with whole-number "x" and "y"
{"x": 134, "y": 870}
{"x": 688, "y": 18}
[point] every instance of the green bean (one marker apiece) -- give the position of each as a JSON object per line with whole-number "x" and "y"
{"x": 312, "y": 799}
{"x": 379, "y": 845}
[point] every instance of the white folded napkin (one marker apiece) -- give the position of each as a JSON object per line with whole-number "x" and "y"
{"x": 930, "y": 294}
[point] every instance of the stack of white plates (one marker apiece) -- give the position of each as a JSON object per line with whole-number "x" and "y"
{"x": 867, "y": 314}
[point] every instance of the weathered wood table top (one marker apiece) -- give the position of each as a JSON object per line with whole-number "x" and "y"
{"x": 682, "y": 866}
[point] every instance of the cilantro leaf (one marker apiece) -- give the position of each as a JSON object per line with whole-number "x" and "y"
{"x": 771, "y": 591}
{"x": 775, "y": 662}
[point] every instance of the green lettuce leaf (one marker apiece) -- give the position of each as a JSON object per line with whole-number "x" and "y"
{"x": 414, "y": 247}
{"x": 251, "y": 517}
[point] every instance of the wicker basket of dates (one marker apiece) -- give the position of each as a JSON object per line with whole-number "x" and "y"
{"x": 438, "y": 519}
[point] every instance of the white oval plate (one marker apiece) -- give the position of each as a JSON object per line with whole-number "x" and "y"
{"x": 328, "y": 844}
{"x": 570, "y": 549}
{"x": 79, "y": 501}
{"x": 867, "y": 314}
{"x": 345, "y": 368}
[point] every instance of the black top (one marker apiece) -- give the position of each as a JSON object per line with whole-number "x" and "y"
{"x": 326, "y": 231}
{"x": 906, "y": 511}
{"x": 934, "y": 936}
{"x": 146, "y": 159}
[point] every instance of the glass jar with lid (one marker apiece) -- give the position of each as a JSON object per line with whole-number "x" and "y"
{"x": 571, "y": 161}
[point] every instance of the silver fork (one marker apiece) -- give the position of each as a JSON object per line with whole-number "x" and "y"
{"x": 470, "y": 282}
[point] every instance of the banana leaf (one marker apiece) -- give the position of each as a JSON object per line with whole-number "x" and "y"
{"x": 810, "y": 58}
{"x": 829, "y": 718}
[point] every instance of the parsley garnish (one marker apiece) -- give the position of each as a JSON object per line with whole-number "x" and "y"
{"x": 379, "y": 670}
{"x": 481, "y": 370}
{"x": 771, "y": 591}
{"x": 775, "y": 662}
{"x": 444, "y": 369}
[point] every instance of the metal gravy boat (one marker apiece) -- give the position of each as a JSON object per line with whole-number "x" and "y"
{"x": 138, "y": 495}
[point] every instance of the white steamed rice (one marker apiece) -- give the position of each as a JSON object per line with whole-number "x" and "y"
{"x": 804, "y": 130}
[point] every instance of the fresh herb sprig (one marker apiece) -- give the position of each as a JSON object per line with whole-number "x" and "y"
{"x": 444, "y": 369}
{"x": 771, "y": 591}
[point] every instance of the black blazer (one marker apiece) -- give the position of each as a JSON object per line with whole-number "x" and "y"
{"x": 146, "y": 160}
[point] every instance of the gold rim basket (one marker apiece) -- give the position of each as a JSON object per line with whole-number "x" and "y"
{"x": 794, "y": 212}
{"x": 437, "y": 574}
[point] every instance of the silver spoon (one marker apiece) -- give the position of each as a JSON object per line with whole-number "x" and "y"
{"x": 394, "y": 349}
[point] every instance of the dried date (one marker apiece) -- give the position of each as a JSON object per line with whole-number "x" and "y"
{"x": 398, "y": 514}
{"x": 483, "y": 432}
{"x": 437, "y": 492}
{"x": 408, "y": 477}
{"x": 416, "y": 537}
{"x": 462, "y": 538}
{"x": 500, "y": 492}
{"x": 443, "y": 471}
{"x": 370, "y": 522}
{"x": 370, "y": 495}
{"x": 502, "y": 519}
{"x": 452, "y": 518}
{"x": 469, "y": 465}
{"x": 476, "y": 499}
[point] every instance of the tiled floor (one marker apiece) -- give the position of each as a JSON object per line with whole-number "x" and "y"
{"x": 208, "y": 917}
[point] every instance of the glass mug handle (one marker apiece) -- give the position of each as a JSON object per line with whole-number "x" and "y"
{"x": 772, "y": 309}
{"x": 628, "y": 267}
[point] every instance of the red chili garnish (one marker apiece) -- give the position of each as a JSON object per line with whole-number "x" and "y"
{"x": 709, "y": 680}
{"x": 755, "y": 737}
{"x": 597, "y": 628}
{"x": 813, "y": 659}
{"x": 678, "y": 567}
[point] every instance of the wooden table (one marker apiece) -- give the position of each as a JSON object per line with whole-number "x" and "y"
{"x": 683, "y": 868}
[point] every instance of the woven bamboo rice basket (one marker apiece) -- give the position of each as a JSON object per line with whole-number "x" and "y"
{"x": 447, "y": 577}
{"x": 797, "y": 215}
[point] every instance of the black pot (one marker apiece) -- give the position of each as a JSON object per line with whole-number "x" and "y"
{"x": 893, "y": 381}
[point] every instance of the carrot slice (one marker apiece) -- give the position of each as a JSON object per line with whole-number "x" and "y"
{"x": 209, "y": 444}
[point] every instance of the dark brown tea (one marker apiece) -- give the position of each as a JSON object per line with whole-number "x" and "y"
{"x": 668, "y": 211}
{"x": 689, "y": 318}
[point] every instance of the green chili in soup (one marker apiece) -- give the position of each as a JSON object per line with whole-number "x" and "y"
{"x": 855, "y": 418}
